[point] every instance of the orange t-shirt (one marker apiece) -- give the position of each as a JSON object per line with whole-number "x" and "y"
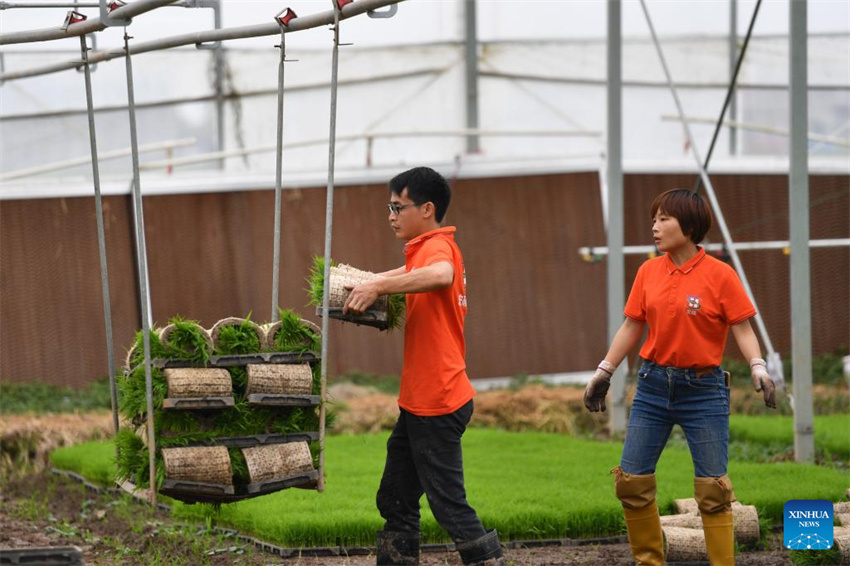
{"x": 688, "y": 309}
{"x": 433, "y": 379}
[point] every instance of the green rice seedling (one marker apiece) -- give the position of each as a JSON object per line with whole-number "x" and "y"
{"x": 815, "y": 557}
{"x": 550, "y": 490}
{"x": 158, "y": 350}
{"x": 239, "y": 467}
{"x": 294, "y": 335}
{"x": 397, "y": 304}
{"x": 133, "y": 398}
{"x": 239, "y": 339}
{"x": 239, "y": 378}
{"x": 132, "y": 461}
{"x": 187, "y": 341}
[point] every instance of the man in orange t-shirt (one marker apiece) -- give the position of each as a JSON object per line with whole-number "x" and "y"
{"x": 435, "y": 401}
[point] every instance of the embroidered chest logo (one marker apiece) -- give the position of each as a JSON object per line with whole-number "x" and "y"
{"x": 693, "y": 304}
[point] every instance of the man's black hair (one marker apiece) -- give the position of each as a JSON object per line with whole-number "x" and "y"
{"x": 423, "y": 185}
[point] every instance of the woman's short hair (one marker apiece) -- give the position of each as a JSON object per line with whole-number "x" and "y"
{"x": 689, "y": 208}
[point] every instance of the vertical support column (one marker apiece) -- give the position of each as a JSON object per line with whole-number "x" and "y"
{"x": 329, "y": 218}
{"x": 616, "y": 264}
{"x": 143, "y": 269}
{"x": 218, "y": 55}
{"x": 101, "y": 238}
{"x": 471, "y": 50}
{"x": 278, "y": 181}
{"x": 733, "y": 63}
{"x": 798, "y": 181}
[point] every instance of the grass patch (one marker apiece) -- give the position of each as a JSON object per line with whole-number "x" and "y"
{"x": 40, "y": 397}
{"x": 551, "y": 489}
{"x": 832, "y": 432}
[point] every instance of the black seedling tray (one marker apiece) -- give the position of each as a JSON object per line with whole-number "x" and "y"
{"x": 273, "y": 400}
{"x": 299, "y": 480}
{"x": 373, "y": 318}
{"x": 197, "y": 403}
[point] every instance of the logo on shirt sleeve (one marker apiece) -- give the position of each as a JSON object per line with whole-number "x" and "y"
{"x": 693, "y": 304}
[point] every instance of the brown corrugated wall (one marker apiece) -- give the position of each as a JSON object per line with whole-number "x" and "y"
{"x": 535, "y": 305}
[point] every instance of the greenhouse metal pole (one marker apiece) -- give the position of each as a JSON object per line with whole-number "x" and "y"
{"x": 83, "y": 28}
{"x": 101, "y": 240}
{"x": 278, "y": 179}
{"x": 798, "y": 200}
{"x": 259, "y": 30}
{"x": 329, "y": 217}
{"x": 616, "y": 264}
{"x": 733, "y": 55}
{"x": 774, "y": 363}
{"x": 143, "y": 268}
{"x": 471, "y": 69}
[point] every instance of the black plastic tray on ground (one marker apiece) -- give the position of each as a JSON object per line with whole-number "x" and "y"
{"x": 375, "y": 319}
{"x": 258, "y": 440}
{"x": 199, "y": 492}
{"x": 68, "y": 555}
{"x": 197, "y": 403}
{"x": 274, "y": 400}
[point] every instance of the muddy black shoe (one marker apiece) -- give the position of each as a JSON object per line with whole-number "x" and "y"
{"x": 484, "y": 551}
{"x": 397, "y": 549}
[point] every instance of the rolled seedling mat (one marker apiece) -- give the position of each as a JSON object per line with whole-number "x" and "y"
{"x": 683, "y": 520}
{"x": 841, "y": 507}
{"x": 687, "y": 506}
{"x": 205, "y": 464}
{"x": 684, "y": 545}
{"x": 746, "y": 521}
{"x": 342, "y": 275}
{"x": 841, "y": 539}
{"x": 165, "y": 333}
{"x": 215, "y": 331}
{"x": 198, "y": 382}
{"x": 274, "y": 461}
{"x": 270, "y": 330}
{"x": 280, "y": 379}
{"x": 128, "y": 361}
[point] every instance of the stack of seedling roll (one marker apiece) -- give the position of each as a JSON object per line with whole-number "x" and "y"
{"x": 386, "y": 314}
{"x": 684, "y": 539}
{"x": 208, "y": 430}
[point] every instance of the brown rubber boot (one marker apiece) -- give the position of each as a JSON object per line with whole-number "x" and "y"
{"x": 714, "y": 497}
{"x": 637, "y": 494}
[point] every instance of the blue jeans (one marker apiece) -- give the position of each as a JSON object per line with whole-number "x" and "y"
{"x": 698, "y": 401}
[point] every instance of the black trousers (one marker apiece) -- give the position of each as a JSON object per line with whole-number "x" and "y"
{"x": 424, "y": 456}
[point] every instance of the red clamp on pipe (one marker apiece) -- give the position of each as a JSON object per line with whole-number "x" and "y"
{"x": 72, "y": 18}
{"x": 342, "y": 3}
{"x": 112, "y": 6}
{"x": 285, "y": 16}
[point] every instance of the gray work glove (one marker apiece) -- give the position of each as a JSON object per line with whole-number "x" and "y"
{"x": 597, "y": 387}
{"x": 762, "y": 381}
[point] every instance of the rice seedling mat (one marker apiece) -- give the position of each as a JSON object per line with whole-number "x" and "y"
{"x": 372, "y": 317}
{"x": 307, "y": 480}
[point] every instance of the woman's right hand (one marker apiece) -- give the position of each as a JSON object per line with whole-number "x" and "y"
{"x": 597, "y": 387}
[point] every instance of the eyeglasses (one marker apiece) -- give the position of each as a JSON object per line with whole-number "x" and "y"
{"x": 395, "y": 208}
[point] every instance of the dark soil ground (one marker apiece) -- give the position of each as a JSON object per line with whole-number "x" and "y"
{"x": 42, "y": 509}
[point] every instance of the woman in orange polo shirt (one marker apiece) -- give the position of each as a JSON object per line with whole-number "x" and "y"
{"x": 689, "y": 301}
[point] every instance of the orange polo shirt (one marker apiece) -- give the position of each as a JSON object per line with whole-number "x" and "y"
{"x": 688, "y": 309}
{"x": 433, "y": 379}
